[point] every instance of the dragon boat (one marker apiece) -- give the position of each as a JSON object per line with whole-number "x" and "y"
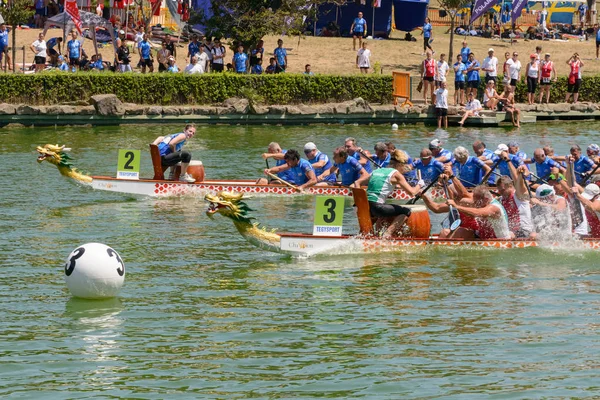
{"x": 416, "y": 234}
{"x": 158, "y": 186}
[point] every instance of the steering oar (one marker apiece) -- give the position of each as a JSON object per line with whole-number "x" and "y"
{"x": 273, "y": 176}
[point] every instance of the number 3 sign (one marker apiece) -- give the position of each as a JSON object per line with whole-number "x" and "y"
{"x": 329, "y": 215}
{"x": 129, "y": 164}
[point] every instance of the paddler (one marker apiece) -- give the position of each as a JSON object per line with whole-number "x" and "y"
{"x": 381, "y": 183}
{"x": 429, "y": 168}
{"x": 544, "y": 166}
{"x": 550, "y": 212}
{"x": 439, "y": 153}
{"x": 593, "y": 152}
{"x": 590, "y": 199}
{"x": 583, "y": 165}
{"x": 561, "y": 187}
{"x": 319, "y": 161}
{"x": 382, "y": 155}
{"x": 468, "y": 168}
{"x": 275, "y": 152}
{"x": 350, "y": 170}
{"x": 171, "y": 153}
{"x": 358, "y": 154}
{"x": 302, "y": 173}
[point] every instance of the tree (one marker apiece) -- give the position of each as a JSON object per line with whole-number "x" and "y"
{"x": 452, "y": 7}
{"x": 16, "y": 12}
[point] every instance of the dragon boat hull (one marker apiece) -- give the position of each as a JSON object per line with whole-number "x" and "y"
{"x": 310, "y": 245}
{"x": 158, "y": 188}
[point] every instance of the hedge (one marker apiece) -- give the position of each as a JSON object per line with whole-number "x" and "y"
{"x": 174, "y": 89}
{"x": 166, "y": 89}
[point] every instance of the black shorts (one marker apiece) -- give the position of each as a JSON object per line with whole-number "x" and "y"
{"x": 531, "y": 84}
{"x": 387, "y": 210}
{"x": 473, "y": 84}
{"x": 358, "y": 34}
{"x": 52, "y": 52}
{"x": 174, "y": 158}
{"x": 597, "y": 44}
{"x": 546, "y": 82}
{"x": 39, "y": 60}
{"x": 428, "y": 78}
{"x": 459, "y": 85}
{"x": 574, "y": 88}
{"x": 147, "y": 62}
{"x": 513, "y": 82}
{"x": 74, "y": 62}
{"x": 217, "y": 67}
{"x": 441, "y": 112}
{"x": 491, "y": 78}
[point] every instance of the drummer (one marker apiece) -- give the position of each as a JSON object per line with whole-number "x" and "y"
{"x": 382, "y": 183}
{"x": 171, "y": 151}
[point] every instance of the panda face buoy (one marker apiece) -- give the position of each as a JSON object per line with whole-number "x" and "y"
{"x": 94, "y": 271}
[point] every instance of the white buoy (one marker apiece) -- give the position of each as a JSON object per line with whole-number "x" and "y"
{"x": 94, "y": 271}
{"x": 394, "y": 127}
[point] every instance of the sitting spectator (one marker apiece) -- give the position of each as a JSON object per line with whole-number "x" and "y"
{"x": 509, "y": 107}
{"x": 172, "y": 65}
{"x": 307, "y": 70}
{"x": 194, "y": 67}
{"x": 272, "y": 68}
{"x": 472, "y": 108}
{"x": 257, "y": 68}
{"x": 96, "y": 63}
{"x": 62, "y": 64}
{"x": 490, "y": 96}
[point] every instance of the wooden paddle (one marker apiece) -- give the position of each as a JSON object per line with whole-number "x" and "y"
{"x": 453, "y": 215}
{"x": 420, "y": 194}
{"x": 577, "y": 214}
{"x": 273, "y": 176}
{"x": 486, "y": 176}
{"x": 588, "y": 176}
{"x": 362, "y": 153}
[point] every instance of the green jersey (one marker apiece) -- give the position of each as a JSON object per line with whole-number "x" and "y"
{"x": 380, "y": 185}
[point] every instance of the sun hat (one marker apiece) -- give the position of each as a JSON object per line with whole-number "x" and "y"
{"x": 533, "y": 55}
{"x": 501, "y": 147}
{"x": 544, "y": 191}
{"x": 435, "y": 144}
{"x": 310, "y": 146}
{"x": 592, "y": 190}
{"x": 594, "y": 147}
{"x": 490, "y": 50}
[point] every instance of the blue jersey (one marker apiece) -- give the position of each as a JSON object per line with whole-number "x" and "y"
{"x": 193, "y": 49}
{"x": 64, "y": 67}
{"x": 318, "y": 171}
{"x": 280, "y": 54}
{"x": 447, "y": 154}
{"x": 4, "y": 39}
{"x": 285, "y": 175}
{"x": 411, "y": 176}
{"x": 50, "y": 44}
{"x": 598, "y": 35}
{"x": 470, "y": 171}
{"x": 349, "y": 170}
{"x": 164, "y": 148}
{"x": 464, "y": 54}
{"x": 543, "y": 169}
{"x": 489, "y": 155}
{"x": 503, "y": 165}
{"x": 383, "y": 163}
{"x": 427, "y": 30}
{"x": 459, "y": 74}
{"x": 367, "y": 166}
{"x": 239, "y": 60}
{"x": 173, "y": 68}
{"x": 359, "y": 25}
{"x": 429, "y": 172}
{"x": 473, "y": 75}
{"x": 582, "y": 165}
{"x": 145, "y": 48}
{"x": 298, "y": 173}
{"x": 74, "y": 47}
{"x": 98, "y": 65}
{"x": 256, "y": 69}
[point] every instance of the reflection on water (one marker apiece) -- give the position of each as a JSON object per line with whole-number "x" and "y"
{"x": 206, "y": 315}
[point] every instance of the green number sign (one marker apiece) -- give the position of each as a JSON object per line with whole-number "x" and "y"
{"x": 329, "y": 215}
{"x": 129, "y": 164}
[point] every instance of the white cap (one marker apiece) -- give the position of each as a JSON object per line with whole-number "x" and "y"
{"x": 122, "y": 32}
{"x": 310, "y": 146}
{"x": 592, "y": 190}
{"x": 544, "y": 191}
{"x": 490, "y": 50}
{"x": 501, "y": 147}
{"x": 435, "y": 144}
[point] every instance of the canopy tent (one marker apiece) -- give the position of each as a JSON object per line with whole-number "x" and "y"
{"x": 560, "y": 12}
{"x": 344, "y": 15}
{"x": 89, "y": 20}
{"x": 410, "y": 14}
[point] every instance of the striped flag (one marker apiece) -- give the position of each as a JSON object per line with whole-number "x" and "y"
{"x": 377, "y": 3}
{"x": 73, "y": 11}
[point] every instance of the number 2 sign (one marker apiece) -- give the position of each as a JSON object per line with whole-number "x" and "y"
{"x": 129, "y": 164}
{"x": 329, "y": 215}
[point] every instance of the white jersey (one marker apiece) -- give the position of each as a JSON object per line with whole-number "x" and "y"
{"x": 364, "y": 56}
{"x": 500, "y": 225}
{"x": 490, "y": 63}
{"x": 582, "y": 228}
{"x": 514, "y": 67}
{"x": 488, "y": 94}
{"x": 441, "y": 98}
{"x": 442, "y": 71}
{"x": 534, "y": 69}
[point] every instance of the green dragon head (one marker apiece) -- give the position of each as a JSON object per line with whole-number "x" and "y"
{"x": 229, "y": 205}
{"x": 54, "y": 154}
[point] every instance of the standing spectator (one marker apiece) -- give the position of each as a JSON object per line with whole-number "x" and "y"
{"x": 52, "y": 53}
{"x": 193, "y": 47}
{"x": 473, "y": 80}
{"x": 123, "y": 56}
{"x": 426, "y": 32}
{"x": 533, "y": 76}
{"x": 280, "y": 54}
{"x": 441, "y": 71}
{"x": 272, "y": 68}
{"x": 163, "y": 57}
{"x": 358, "y": 29}
{"x": 596, "y": 30}
{"x": 240, "y": 61}
{"x": 459, "y": 81}
{"x": 441, "y": 105}
{"x": 257, "y": 68}
{"x": 574, "y": 77}
{"x": 538, "y": 53}
{"x": 171, "y": 46}
{"x": 428, "y": 66}
{"x": 40, "y": 14}
{"x": 464, "y": 52}
{"x": 146, "y": 58}
{"x": 490, "y": 66}
{"x": 202, "y": 60}
{"x": 219, "y": 53}
{"x": 472, "y": 108}
{"x": 208, "y": 45}
{"x": 4, "y": 45}
{"x": 307, "y": 70}
{"x": 544, "y": 21}
{"x": 547, "y": 71}
{"x": 514, "y": 71}
{"x": 139, "y": 36}
{"x": 257, "y": 53}
{"x": 505, "y": 71}
{"x": 363, "y": 58}
{"x": 582, "y": 11}
{"x": 75, "y": 51}
{"x": 39, "y": 48}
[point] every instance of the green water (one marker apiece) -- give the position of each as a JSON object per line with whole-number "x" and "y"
{"x": 205, "y": 315}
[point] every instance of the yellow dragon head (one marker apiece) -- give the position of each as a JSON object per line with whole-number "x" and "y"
{"x": 57, "y": 155}
{"x": 229, "y": 205}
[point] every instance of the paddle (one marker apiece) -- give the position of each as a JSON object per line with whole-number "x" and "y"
{"x": 588, "y": 176}
{"x": 273, "y": 176}
{"x": 362, "y": 153}
{"x": 486, "y": 176}
{"x": 420, "y": 194}
{"x": 577, "y": 213}
{"x": 526, "y": 185}
{"x": 453, "y": 215}
{"x": 538, "y": 178}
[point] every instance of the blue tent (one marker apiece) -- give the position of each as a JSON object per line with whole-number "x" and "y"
{"x": 344, "y": 15}
{"x": 410, "y": 14}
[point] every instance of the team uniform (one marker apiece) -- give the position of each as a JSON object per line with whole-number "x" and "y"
{"x": 543, "y": 169}
{"x": 581, "y": 166}
{"x": 382, "y": 163}
{"x": 169, "y": 157}
{"x": 280, "y": 54}
{"x": 380, "y": 187}
{"x": 459, "y": 76}
{"x": 429, "y": 172}
{"x": 298, "y": 173}
{"x": 240, "y": 61}
{"x": 349, "y": 170}
{"x": 328, "y": 164}
{"x": 494, "y": 228}
{"x": 470, "y": 172}
{"x": 503, "y": 165}
{"x": 285, "y": 175}
{"x": 145, "y": 49}
{"x": 518, "y": 211}
{"x": 359, "y": 27}
{"x": 429, "y": 69}
{"x": 367, "y": 166}
{"x": 473, "y": 76}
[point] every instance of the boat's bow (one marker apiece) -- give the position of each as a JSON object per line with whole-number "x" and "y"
{"x": 231, "y": 206}
{"x": 57, "y": 155}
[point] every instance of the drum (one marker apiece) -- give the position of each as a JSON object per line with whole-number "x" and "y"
{"x": 196, "y": 170}
{"x": 418, "y": 224}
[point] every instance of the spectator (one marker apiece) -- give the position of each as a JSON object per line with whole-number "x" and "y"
{"x": 426, "y": 32}
{"x": 505, "y": 71}
{"x": 75, "y": 50}
{"x": 257, "y": 53}
{"x": 490, "y": 66}
{"x": 240, "y": 60}
{"x": 596, "y": 31}
{"x": 510, "y": 107}
{"x": 257, "y": 68}
{"x": 193, "y": 67}
{"x": 163, "y": 57}
{"x": 533, "y": 77}
{"x": 547, "y": 71}
{"x": 582, "y": 10}
{"x": 203, "y": 60}
{"x": 574, "y": 77}
{"x": 39, "y": 48}
{"x": 358, "y": 29}
{"x": 280, "y": 55}
{"x": 473, "y": 68}
{"x": 428, "y": 66}
{"x": 173, "y": 68}
{"x": 464, "y": 52}
{"x": 441, "y": 105}
{"x": 219, "y": 53}
{"x": 514, "y": 71}
{"x": 307, "y": 70}
{"x": 208, "y": 45}
{"x": 471, "y": 109}
{"x": 543, "y": 21}
{"x": 40, "y": 16}
{"x": 538, "y": 53}
{"x": 51, "y": 52}
{"x": 441, "y": 71}
{"x": 139, "y": 36}
{"x": 123, "y": 57}
{"x": 490, "y": 96}
{"x": 171, "y": 46}
{"x": 363, "y": 58}
{"x": 62, "y": 64}
{"x": 4, "y": 45}
{"x": 146, "y": 58}
{"x": 459, "y": 81}
{"x": 272, "y": 68}
{"x": 193, "y": 47}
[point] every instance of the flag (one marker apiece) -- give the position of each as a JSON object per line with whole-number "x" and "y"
{"x": 480, "y": 7}
{"x": 518, "y": 6}
{"x": 377, "y": 3}
{"x": 73, "y": 11}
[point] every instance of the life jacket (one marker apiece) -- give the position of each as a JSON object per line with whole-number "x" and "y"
{"x": 547, "y": 69}
{"x": 430, "y": 68}
{"x": 468, "y": 222}
{"x": 514, "y": 218}
{"x": 593, "y": 223}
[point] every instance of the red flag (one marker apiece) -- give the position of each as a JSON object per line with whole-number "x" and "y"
{"x": 73, "y": 11}
{"x": 155, "y": 7}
